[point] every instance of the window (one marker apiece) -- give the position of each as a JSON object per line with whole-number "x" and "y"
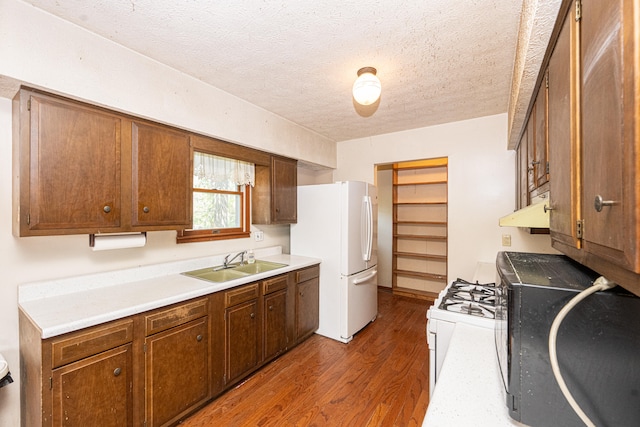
{"x": 221, "y": 194}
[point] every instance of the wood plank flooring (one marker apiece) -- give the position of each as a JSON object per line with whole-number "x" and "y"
{"x": 381, "y": 378}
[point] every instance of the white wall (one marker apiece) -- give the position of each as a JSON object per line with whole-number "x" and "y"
{"x": 481, "y": 183}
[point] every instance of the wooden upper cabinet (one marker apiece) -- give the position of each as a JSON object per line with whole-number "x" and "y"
{"x": 275, "y": 195}
{"x": 521, "y": 167}
{"x": 563, "y": 165}
{"x": 284, "y": 190}
{"x": 83, "y": 170}
{"x": 161, "y": 176}
{"x": 593, "y": 138}
{"x": 540, "y": 137}
{"x": 531, "y": 152}
{"x": 68, "y": 167}
{"x": 609, "y": 82}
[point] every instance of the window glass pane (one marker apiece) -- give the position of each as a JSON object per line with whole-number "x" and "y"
{"x": 214, "y": 210}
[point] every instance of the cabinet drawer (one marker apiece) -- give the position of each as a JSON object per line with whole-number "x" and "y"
{"x": 241, "y": 294}
{"x": 78, "y": 345}
{"x": 275, "y": 284}
{"x": 307, "y": 274}
{"x": 175, "y": 316}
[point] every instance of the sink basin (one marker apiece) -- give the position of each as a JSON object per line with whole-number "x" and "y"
{"x": 216, "y": 275}
{"x": 236, "y": 271}
{"x": 258, "y": 267}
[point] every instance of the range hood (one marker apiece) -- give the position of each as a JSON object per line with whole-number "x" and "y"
{"x": 533, "y": 216}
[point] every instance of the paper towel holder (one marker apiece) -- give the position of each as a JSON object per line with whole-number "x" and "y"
{"x": 117, "y": 241}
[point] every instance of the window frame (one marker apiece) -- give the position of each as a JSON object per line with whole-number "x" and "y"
{"x": 209, "y": 234}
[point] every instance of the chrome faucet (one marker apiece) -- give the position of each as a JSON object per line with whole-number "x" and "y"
{"x": 228, "y": 261}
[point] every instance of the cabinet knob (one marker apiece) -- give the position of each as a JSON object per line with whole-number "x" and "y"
{"x": 271, "y": 308}
{"x": 107, "y": 209}
{"x": 145, "y": 209}
{"x": 116, "y": 372}
{"x": 252, "y": 315}
{"x": 199, "y": 338}
{"x": 599, "y": 203}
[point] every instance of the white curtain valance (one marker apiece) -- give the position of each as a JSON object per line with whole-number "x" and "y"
{"x": 220, "y": 173}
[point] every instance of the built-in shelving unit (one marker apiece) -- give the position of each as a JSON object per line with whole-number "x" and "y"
{"x": 420, "y": 227}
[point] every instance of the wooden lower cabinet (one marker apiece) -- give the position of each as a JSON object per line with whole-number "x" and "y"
{"x": 177, "y": 372}
{"x": 241, "y": 340}
{"x": 157, "y": 367}
{"x": 275, "y": 324}
{"x": 95, "y": 390}
{"x": 307, "y": 302}
{"x": 275, "y": 308}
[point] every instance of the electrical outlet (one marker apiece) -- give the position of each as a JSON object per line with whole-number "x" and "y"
{"x": 259, "y": 235}
{"x": 506, "y": 240}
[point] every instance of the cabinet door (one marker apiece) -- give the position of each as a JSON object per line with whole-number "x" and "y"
{"x": 284, "y": 191}
{"x": 609, "y": 137}
{"x": 307, "y": 308}
{"x": 521, "y": 167}
{"x": 177, "y": 371}
{"x": 70, "y": 175}
{"x": 541, "y": 147}
{"x": 161, "y": 177}
{"x": 563, "y": 165}
{"x": 531, "y": 151}
{"x": 95, "y": 390}
{"x": 241, "y": 339}
{"x": 275, "y": 324}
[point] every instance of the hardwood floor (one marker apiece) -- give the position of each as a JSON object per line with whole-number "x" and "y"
{"x": 381, "y": 378}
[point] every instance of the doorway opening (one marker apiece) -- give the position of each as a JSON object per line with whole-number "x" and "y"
{"x": 412, "y": 233}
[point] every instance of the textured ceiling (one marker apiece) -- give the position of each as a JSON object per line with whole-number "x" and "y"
{"x": 439, "y": 60}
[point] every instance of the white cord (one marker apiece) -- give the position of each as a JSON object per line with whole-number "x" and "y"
{"x": 601, "y": 284}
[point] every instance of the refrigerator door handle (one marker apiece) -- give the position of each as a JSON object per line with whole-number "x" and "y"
{"x": 366, "y": 228}
{"x": 368, "y": 277}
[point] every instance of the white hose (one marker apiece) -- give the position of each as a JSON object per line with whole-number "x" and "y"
{"x": 601, "y": 284}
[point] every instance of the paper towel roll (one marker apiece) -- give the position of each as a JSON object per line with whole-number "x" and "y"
{"x": 105, "y": 242}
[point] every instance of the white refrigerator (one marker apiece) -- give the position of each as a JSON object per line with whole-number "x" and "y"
{"x": 338, "y": 224}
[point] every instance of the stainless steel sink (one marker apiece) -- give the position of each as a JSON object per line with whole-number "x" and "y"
{"x": 234, "y": 271}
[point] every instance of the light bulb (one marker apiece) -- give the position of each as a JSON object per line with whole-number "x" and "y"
{"x": 367, "y": 87}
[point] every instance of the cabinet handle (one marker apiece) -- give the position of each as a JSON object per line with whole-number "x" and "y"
{"x": 145, "y": 209}
{"x": 599, "y": 202}
{"x": 252, "y": 315}
{"x": 107, "y": 209}
{"x": 199, "y": 338}
{"x": 547, "y": 208}
{"x": 116, "y": 372}
{"x": 535, "y": 162}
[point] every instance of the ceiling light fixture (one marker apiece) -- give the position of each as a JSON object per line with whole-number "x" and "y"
{"x": 366, "y": 88}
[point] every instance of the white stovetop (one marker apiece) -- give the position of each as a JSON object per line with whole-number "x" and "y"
{"x": 469, "y": 389}
{"x": 66, "y": 305}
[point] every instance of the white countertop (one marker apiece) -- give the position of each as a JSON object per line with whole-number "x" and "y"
{"x": 469, "y": 391}
{"x": 66, "y": 305}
